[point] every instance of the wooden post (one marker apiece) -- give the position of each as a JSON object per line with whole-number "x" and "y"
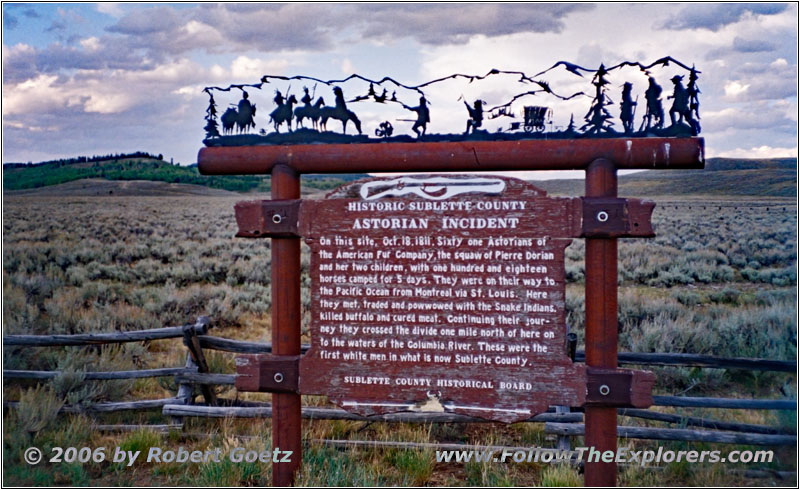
{"x": 286, "y": 162}
{"x": 185, "y": 390}
{"x": 193, "y": 344}
{"x": 601, "y": 325}
{"x": 286, "y": 422}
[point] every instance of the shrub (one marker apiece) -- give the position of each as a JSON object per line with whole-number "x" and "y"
{"x": 687, "y": 297}
{"x": 72, "y": 385}
{"x": 727, "y": 295}
{"x": 38, "y": 408}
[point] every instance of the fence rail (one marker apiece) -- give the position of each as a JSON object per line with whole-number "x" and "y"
{"x": 705, "y": 402}
{"x": 628, "y": 358}
{"x": 702, "y": 422}
{"x": 111, "y": 406}
{"x": 565, "y": 424}
{"x": 697, "y": 360}
{"x": 246, "y": 347}
{"x": 336, "y": 414}
{"x": 200, "y": 327}
{"x": 679, "y": 435}
{"x": 98, "y": 375}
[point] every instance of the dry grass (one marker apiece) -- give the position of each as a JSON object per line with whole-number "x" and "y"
{"x": 718, "y": 281}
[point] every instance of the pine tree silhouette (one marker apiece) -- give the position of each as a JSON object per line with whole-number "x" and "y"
{"x": 212, "y": 127}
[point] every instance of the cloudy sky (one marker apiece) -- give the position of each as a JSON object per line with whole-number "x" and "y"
{"x": 82, "y": 79}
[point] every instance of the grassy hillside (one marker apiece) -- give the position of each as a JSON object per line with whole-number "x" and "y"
{"x": 776, "y": 178}
{"x": 17, "y": 176}
{"x": 721, "y": 177}
{"x": 147, "y": 168}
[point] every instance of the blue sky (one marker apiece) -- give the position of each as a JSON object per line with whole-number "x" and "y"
{"x": 84, "y": 79}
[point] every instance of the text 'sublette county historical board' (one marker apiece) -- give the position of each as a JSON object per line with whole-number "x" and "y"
{"x": 440, "y": 294}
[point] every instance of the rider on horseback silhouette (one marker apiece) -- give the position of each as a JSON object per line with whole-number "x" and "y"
{"x": 339, "y": 98}
{"x": 246, "y": 113}
{"x": 306, "y": 100}
{"x": 283, "y": 113}
{"x": 340, "y": 112}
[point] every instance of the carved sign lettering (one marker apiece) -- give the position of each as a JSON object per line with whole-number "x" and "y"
{"x": 440, "y": 294}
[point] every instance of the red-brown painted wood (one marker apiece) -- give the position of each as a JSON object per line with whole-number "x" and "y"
{"x": 467, "y": 156}
{"x": 621, "y": 218}
{"x": 367, "y": 278}
{"x": 619, "y": 388}
{"x": 601, "y": 326}
{"x": 286, "y": 426}
{"x": 267, "y": 373}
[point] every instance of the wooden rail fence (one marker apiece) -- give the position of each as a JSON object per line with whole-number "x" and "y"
{"x": 195, "y": 374}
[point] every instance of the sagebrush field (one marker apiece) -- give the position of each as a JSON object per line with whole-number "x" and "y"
{"x": 720, "y": 278}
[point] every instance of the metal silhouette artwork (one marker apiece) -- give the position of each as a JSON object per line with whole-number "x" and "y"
{"x": 627, "y": 108}
{"x": 654, "y": 118}
{"x": 598, "y": 119}
{"x": 284, "y": 112}
{"x": 340, "y": 112}
{"x": 212, "y": 127}
{"x": 694, "y": 101}
{"x": 681, "y": 111}
{"x": 311, "y": 112}
{"x": 384, "y": 130}
{"x": 535, "y": 118}
{"x": 241, "y": 117}
{"x": 423, "y": 116}
{"x": 239, "y": 122}
{"x": 475, "y": 120}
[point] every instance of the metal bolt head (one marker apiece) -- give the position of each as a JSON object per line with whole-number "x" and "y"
{"x": 602, "y": 216}
{"x": 278, "y": 377}
{"x": 605, "y": 390}
{"x": 277, "y": 218}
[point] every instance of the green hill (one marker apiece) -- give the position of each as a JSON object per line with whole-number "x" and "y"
{"x": 776, "y": 178}
{"x": 721, "y": 177}
{"x": 142, "y": 166}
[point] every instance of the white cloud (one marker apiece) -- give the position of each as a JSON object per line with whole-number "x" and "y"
{"x": 245, "y": 68}
{"x": 107, "y": 103}
{"x": 110, "y": 8}
{"x": 153, "y": 63}
{"x": 38, "y": 95}
{"x": 779, "y": 63}
{"x": 735, "y": 88}
{"x": 749, "y": 116}
{"x": 97, "y": 91}
{"x": 715, "y": 16}
{"x": 90, "y": 43}
{"x": 760, "y": 152}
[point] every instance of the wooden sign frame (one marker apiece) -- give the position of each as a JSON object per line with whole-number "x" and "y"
{"x": 600, "y": 158}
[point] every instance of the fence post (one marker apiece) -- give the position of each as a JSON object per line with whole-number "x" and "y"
{"x": 185, "y": 390}
{"x": 192, "y": 343}
{"x": 601, "y": 326}
{"x": 564, "y": 443}
{"x": 286, "y": 409}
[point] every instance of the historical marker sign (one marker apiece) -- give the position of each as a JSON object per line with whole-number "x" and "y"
{"x": 440, "y": 294}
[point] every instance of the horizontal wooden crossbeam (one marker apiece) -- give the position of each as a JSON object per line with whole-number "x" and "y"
{"x": 462, "y": 156}
{"x": 594, "y": 218}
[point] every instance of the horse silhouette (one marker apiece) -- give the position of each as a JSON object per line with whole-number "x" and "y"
{"x": 340, "y": 112}
{"x": 228, "y": 119}
{"x": 232, "y": 118}
{"x": 310, "y": 112}
{"x": 283, "y": 114}
{"x": 343, "y": 115}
